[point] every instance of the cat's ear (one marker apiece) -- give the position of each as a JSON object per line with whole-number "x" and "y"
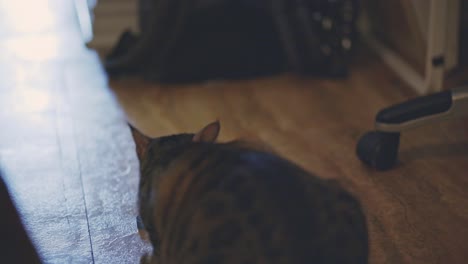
{"x": 141, "y": 142}
{"x": 209, "y": 133}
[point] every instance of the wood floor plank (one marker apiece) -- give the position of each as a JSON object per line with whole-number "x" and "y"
{"x": 108, "y": 165}
{"x": 65, "y": 149}
{"x": 37, "y": 155}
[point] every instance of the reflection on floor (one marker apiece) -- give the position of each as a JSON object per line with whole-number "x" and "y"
{"x": 65, "y": 148}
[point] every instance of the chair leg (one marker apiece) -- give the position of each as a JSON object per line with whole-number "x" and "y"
{"x": 379, "y": 148}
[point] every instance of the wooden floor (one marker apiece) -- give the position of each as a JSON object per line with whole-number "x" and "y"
{"x": 69, "y": 161}
{"x": 417, "y": 213}
{"x": 66, "y": 151}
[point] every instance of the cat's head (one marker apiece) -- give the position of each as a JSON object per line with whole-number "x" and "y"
{"x": 159, "y": 151}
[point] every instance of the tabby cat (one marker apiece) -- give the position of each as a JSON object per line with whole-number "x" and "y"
{"x": 204, "y": 202}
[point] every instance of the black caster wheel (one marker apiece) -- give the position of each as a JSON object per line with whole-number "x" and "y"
{"x": 379, "y": 150}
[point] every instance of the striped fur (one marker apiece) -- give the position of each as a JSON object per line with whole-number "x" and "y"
{"x": 207, "y": 202}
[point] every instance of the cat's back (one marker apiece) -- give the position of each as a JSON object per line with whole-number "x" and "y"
{"x": 228, "y": 203}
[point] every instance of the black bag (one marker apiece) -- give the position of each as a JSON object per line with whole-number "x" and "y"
{"x": 197, "y": 40}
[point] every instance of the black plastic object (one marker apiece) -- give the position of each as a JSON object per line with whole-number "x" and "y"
{"x": 416, "y": 108}
{"x": 379, "y": 149}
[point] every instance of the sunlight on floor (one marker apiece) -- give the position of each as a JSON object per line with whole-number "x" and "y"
{"x": 31, "y": 101}
{"x": 43, "y": 29}
{"x": 36, "y": 32}
{"x": 33, "y": 47}
{"x": 63, "y": 137}
{"x": 22, "y": 16}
